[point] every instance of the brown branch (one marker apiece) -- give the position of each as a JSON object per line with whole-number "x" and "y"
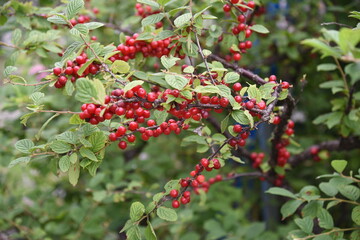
{"x": 243, "y": 72}
{"x": 240, "y": 175}
{"x": 344, "y": 144}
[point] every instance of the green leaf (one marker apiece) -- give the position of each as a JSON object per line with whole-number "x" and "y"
{"x": 120, "y": 66}
{"x": 73, "y": 158}
{"x": 207, "y": 89}
{"x": 306, "y": 224}
{"x": 231, "y": 77}
{"x": 9, "y": 70}
{"x": 160, "y": 116}
{"x": 323, "y": 237}
{"x": 169, "y": 62}
{"x": 259, "y": 28}
{"x": 350, "y": 192}
{"x": 149, "y": 232}
{"x": 79, "y": 29}
{"x": 70, "y": 50}
{"x": 57, "y": 19}
{"x": 137, "y": 209}
{"x": 172, "y": 184}
{"x": 69, "y": 88}
{"x": 64, "y": 163}
{"x": 24, "y": 145}
{"x": 84, "y": 67}
{"x": 355, "y": 235}
{"x": 182, "y": 19}
{"x": 339, "y": 165}
{"x": 326, "y": 67}
{"x": 87, "y": 153}
{"x": 75, "y": 119}
{"x": 133, "y": 233}
{"x": 132, "y": 84}
{"x": 240, "y": 117}
{"x": 348, "y": 39}
{"x": 176, "y": 81}
{"x": 150, "y": 3}
{"x": 281, "y": 192}
{"x": 16, "y": 36}
{"x": 60, "y": 147}
{"x": 224, "y": 123}
{"x": 355, "y": 215}
{"x": 152, "y": 19}
{"x": 167, "y": 214}
{"x": 18, "y": 161}
{"x": 73, "y": 7}
{"x": 93, "y": 25}
{"x": 322, "y": 47}
{"x": 69, "y": 137}
{"x": 164, "y": 34}
{"x": 86, "y": 91}
{"x": 325, "y": 219}
{"x": 254, "y": 92}
{"x": 328, "y": 189}
{"x": 100, "y": 89}
{"x": 97, "y": 140}
{"x": 145, "y": 36}
{"x": 353, "y": 70}
{"x": 290, "y": 207}
{"x": 74, "y": 173}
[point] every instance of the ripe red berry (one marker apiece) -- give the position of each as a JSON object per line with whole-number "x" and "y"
{"x": 122, "y": 144}
{"x": 237, "y": 128}
{"x": 200, "y": 178}
{"x": 237, "y": 57}
{"x": 62, "y": 80}
{"x": 276, "y": 120}
{"x": 234, "y": 1}
{"x": 175, "y": 204}
{"x": 204, "y": 162}
{"x": 251, "y": 4}
{"x": 224, "y": 102}
{"x": 112, "y": 137}
{"x": 249, "y": 105}
{"x": 187, "y": 194}
{"x": 57, "y": 71}
{"x": 133, "y": 126}
{"x": 289, "y": 131}
{"x": 174, "y": 193}
{"x": 184, "y": 200}
{"x": 314, "y": 150}
{"x": 237, "y": 87}
{"x": 227, "y": 8}
{"x": 272, "y": 78}
{"x": 291, "y": 124}
{"x": 285, "y": 85}
{"x": 80, "y": 60}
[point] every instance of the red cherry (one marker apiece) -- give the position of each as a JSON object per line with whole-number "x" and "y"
{"x": 272, "y": 78}
{"x": 57, "y": 71}
{"x": 174, "y": 193}
{"x": 285, "y": 85}
{"x": 80, "y": 60}
{"x": 204, "y": 162}
{"x": 234, "y": 1}
{"x": 112, "y": 137}
{"x": 291, "y": 124}
{"x": 237, "y": 128}
{"x": 237, "y": 87}
{"x": 133, "y": 126}
{"x": 224, "y": 102}
{"x": 251, "y": 4}
{"x": 289, "y": 131}
{"x": 249, "y": 105}
{"x": 122, "y": 144}
{"x": 276, "y": 120}
{"x": 227, "y": 8}
{"x": 184, "y": 200}
{"x": 175, "y": 204}
{"x": 237, "y": 57}
{"x": 200, "y": 178}
{"x": 314, "y": 150}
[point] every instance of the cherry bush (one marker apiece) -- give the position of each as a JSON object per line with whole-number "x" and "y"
{"x": 178, "y": 72}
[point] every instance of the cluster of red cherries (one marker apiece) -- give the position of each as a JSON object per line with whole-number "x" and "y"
{"x": 131, "y": 47}
{"x": 197, "y": 181}
{"x": 250, "y": 4}
{"x": 72, "y": 68}
{"x": 144, "y": 11}
{"x": 315, "y": 153}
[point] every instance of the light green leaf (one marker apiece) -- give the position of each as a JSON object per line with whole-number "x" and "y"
{"x": 133, "y": 233}
{"x": 164, "y": 34}
{"x": 79, "y": 29}
{"x": 152, "y": 19}
{"x": 224, "y": 123}
{"x": 87, "y": 153}
{"x": 182, "y": 19}
{"x": 73, "y": 158}
{"x": 74, "y": 173}
{"x": 290, "y": 207}
{"x": 231, "y": 77}
{"x": 86, "y": 91}
{"x": 350, "y": 192}
{"x": 18, "y": 161}
{"x": 326, "y": 67}
{"x": 60, "y": 147}
{"x": 57, "y": 19}
{"x": 169, "y": 62}
{"x": 93, "y": 25}
{"x": 322, "y": 47}
{"x": 97, "y": 140}
{"x": 176, "y": 81}
{"x": 259, "y": 28}
{"x": 85, "y": 66}
{"x": 149, "y": 232}
{"x": 137, "y": 209}
{"x": 120, "y": 66}
{"x": 69, "y": 137}
{"x": 339, "y": 165}
{"x": 16, "y": 36}
{"x": 167, "y": 214}
{"x": 355, "y": 215}
{"x": 306, "y": 224}
{"x": 73, "y": 7}
{"x": 281, "y": 192}
{"x": 328, "y": 189}
{"x": 100, "y": 89}
{"x": 132, "y": 84}
{"x": 160, "y": 116}
{"x": 24, "y": 145}
{"x": 150, "y": 3}
{"x": 64, "y": 163}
